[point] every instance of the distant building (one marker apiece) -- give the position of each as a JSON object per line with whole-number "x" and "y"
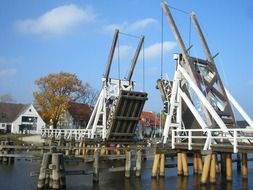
{"x": 150, "y": 125}
{"x": 20, "y": 118}
{"x": 76, "y": 116}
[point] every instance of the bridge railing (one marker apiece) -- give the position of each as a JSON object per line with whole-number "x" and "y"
{"x": 212, "y": 136}
{"x": 78, "y": 134}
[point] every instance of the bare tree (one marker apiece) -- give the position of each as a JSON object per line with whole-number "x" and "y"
{"x": 7, "y": 98}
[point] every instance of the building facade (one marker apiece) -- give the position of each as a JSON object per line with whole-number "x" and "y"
{"x": 75, "y": 117}
{"x": 20, "y": 118}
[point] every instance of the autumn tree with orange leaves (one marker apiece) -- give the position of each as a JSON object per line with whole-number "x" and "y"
{"x": 55, "y": 91}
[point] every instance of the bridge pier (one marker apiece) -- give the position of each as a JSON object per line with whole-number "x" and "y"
{"x": 185, "y": 164}
{"x": 244, "y": 166}
{"x": 138, "y": 163}
{"x": 229, "y": 169}
{"x": 128, "y": 164}
{"x": 96, "y": 166}
{"x": 206, "y": 169}
{"x": 212, "y": 178}
{"x": 179, "y": 164}
{"x": 161, "y": 168}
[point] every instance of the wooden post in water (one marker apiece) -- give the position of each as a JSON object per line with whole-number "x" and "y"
{"x": 206, "y": 168}
{"x": 161, "y": 168}
{"x": 200, "y": 163}
{"x": 185, "y": 164}
{"x": 179, "y": 164}
{"x": 138, "y": 163}
{"x": 229, "y": 171}
{"x": 213, "y": 169}
{"x": 96, "y": 166}
{"x": 56, "y": 170}
{"x": 43, "y": 169}
{"x": 244, "y": 166}
{"x": 155, "y": 165}
{"x": 128, "y": 164}
{"x": 62, "y": 172}
{"x": 195, "y": 163}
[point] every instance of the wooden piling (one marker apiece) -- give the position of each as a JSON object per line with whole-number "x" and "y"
{"x": 212, "y": 178}
{"x": 155, "y": 165}
{"x": 200, "y": 163}
{"x": 179, "y": 164}
{"x": 185, "y": 164}
{"x": 62, "y": 172}
{"x": 195, "y": 163}
{"x": 128, "y": 164}
{"x": 56, "y": 170}
{"x": 229, "y": 171}
{"x": 244, "y": 166}
{"x": 96, "y": 166}
{"x": 161, "y": 168}
{"x": 206, "y": 168}
{"x": 138, "y": 163}
{"x": 42, "y": 176}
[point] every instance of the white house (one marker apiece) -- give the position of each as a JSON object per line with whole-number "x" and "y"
{"x": 20, "y": 118}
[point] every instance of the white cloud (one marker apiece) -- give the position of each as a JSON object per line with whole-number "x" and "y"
{"x": 57, "y": 21}
{"x": 154, "y": 50}
{"x": 7, "y": 72}
{"x": 131, "y": 27}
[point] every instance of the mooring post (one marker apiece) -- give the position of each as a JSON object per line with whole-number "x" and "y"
{"x": 244, "y": 166}
{"x": 56, "y": 170}
{"x": 62, "y": 172}
{"x": 206, "y": 168}
{"x": 138, "y": 163}
{"x": 43, "y": 170}
{"x": 229, "y": 171}
{"x": 213, "y": 169}
{"x": 185, "y": 164}
{"x": 195, "y": 163}
{"x": 200, "y": 163}
{"x": 155, "y": 165}
{"x": 128, "y": 164}
{"x": 96, "y": 166}
{"x": 162, "y": 168}
{"x": 179, "y": 164}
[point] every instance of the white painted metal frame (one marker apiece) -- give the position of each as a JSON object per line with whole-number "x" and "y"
{"x": 239, "y": 108}
{"x": 110, "y": 91}
{"x": 210, "y": 135}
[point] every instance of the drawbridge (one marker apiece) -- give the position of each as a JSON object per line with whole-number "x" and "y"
{"x": 117, "y": 111}
{"x": 198, "y": 106}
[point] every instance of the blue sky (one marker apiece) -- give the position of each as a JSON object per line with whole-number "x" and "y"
{"x": 44, "y": 36}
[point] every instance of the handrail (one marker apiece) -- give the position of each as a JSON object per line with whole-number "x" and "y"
{"x": 211, "y": 136}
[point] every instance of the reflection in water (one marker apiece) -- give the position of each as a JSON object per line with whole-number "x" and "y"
{"x": 157, "y": 184}
{"x": 182, "y": 182}
{"x": 12, "y": 176}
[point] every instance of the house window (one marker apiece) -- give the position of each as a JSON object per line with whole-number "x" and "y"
{"x": 3, "y": 125}
{"x": 30, "y": 110}
{"x": 29, "y": 119}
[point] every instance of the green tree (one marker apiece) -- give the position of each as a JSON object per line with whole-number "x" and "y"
{"x": 54, "y": 93}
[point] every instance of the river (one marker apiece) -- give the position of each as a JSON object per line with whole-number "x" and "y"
{"x": 17, "y": 177}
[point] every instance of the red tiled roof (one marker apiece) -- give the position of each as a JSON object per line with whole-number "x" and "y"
{"x": 149, "y": 119}
{"x": 80, "y": 111}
